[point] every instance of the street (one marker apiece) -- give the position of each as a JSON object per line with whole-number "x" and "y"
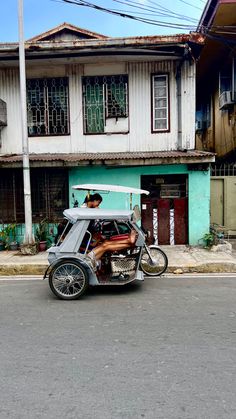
{"x": 164, "y": 349}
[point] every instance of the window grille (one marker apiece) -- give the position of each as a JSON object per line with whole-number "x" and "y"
{"x": 47, "y": 106}
{"x": 160, "y": 102}
{"x": 224, "y": 169}
{"x": 11, "y": 196}
{"x": 104, "y": 97}
{"x": 49, "y": 194}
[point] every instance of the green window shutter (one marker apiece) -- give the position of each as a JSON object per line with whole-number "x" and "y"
{"x": 94, "y": 106}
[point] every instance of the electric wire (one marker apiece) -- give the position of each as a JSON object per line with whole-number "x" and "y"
{"x": 172, "y": 25}
{"x": 130, "y": 16}
{"x": 160, "y": 9}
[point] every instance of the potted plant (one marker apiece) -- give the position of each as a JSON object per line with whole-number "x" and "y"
{"x": 13, "y": 245}
{"x": 2, "y": 239}
{"x": 41, "y": 235}
{"x": 10, "y": 237}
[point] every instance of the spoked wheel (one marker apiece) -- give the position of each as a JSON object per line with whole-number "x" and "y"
{"x": 68, "y": 280}
{"x": 155, "y": 263}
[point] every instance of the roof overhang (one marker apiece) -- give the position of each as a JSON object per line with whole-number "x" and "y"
{"x": 110, "y": 159}
{"x": 218, "y": 24}
{"x": 159, "y": 46}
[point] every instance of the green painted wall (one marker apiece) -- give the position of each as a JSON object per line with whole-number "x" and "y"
{"x": 199, "y": 190}
{"x": 199, "y": 205}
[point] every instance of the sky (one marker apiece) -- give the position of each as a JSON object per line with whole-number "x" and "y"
{"x": 43, "y": 15}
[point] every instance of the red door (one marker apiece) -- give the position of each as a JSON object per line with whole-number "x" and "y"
{"x": 181, "y": 220}
{"x": 163, "y": 216}
{"x": 166, "y": 219}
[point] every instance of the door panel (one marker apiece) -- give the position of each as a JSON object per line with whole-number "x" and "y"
{"x": 163, "y": 211}
{"x": 181, "y": 221}
{"x": 166, "y": 220}
{"x": 217, "y": 201}
{"x": 147, "y": 218}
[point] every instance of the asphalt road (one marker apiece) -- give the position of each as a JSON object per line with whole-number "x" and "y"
{"x": 163, "y": 350}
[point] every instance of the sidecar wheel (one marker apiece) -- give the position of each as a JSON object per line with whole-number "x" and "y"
{"x": 68, "y": 280}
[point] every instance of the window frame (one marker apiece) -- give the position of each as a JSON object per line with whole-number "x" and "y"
{"x": 105, "y": 105}
{"x": 46, "y": 107}
{"x": 167, "y": 97}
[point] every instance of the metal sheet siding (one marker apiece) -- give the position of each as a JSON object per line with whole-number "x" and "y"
{"x": 138, "y": 139}
{"x": 141, "y": 138}
{"x": 188, "y": 105}
{"x": 75, "y": 72}
{"x": 9, "y": 92}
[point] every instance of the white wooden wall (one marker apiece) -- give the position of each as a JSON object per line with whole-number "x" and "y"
{"x": 139, "y": 137}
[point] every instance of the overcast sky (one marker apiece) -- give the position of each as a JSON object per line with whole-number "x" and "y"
{"x": 42, "y": 15}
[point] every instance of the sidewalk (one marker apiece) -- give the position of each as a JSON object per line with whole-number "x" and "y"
{"x": 182, "y": 259}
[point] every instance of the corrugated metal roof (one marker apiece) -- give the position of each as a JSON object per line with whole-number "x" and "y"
{"x": 154, "y": 41}
{"x": 106, "y": 157}
{"x": 68, "y": 26}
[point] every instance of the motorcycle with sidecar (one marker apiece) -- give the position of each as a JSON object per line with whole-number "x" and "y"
{"x": 70, "y": 271}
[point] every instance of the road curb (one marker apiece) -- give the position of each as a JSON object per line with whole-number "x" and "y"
{"x": 228, "y": 267}
{"x": 17, "y": 269}
{"x": 12, "y": 269}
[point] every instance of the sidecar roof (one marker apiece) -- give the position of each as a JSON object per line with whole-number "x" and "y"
{"x": 110, "y": 188}
{"x": 74, "y": 214}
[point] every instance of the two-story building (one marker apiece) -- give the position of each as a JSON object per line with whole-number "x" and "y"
{"x": 106, "y": 110}
{"x": 216, "y": 106}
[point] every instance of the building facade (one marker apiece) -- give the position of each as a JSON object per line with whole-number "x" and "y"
{"x": 106, "y": 110}
{"x": 216, "y": 106}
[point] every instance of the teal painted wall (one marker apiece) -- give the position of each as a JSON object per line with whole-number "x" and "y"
{"x": 199, "y": 205}
{"x": 199, "y": 190}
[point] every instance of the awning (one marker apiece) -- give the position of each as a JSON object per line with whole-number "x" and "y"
{"x": 110, "y": 159}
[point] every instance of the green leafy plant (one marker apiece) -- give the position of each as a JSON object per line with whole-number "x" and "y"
{"x": 3, "y": 235}
{"x": 41, "y": 233}
{"x": 10, "y": 235}
{"x": 3, "y": 238}
{"x": 209, "y": 239}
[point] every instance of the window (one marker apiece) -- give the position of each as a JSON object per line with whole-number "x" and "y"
{"x": 49, "y": 194}
{"x": 47, "y": 106}
{"x": 104, "y": 97}
{"x": 160, "y": 103}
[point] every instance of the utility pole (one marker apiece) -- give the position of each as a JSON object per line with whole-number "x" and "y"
{"x": 25, "y": 147}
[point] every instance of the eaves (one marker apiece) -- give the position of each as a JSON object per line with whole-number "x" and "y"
{"x": 110, "y": 159}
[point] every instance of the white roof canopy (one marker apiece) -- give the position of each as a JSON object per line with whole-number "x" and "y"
{"x": 110, "y": 188}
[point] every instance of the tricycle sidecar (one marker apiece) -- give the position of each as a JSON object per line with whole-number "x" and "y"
{"x": 71, "y": 265}
{"x": 71, "y": 269}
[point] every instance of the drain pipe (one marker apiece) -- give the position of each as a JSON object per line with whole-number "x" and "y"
{"x": 178, "y": 77}
{"x": 179, "y": 105}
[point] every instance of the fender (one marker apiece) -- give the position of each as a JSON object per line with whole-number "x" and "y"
{"x": 69, "y": 259}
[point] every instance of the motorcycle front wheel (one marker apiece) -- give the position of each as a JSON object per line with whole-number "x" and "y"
{"x": 154, "y": 261}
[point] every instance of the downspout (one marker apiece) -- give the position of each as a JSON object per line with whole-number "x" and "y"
{"x": 179, "y": 105}
{"x": 186, "y": 56}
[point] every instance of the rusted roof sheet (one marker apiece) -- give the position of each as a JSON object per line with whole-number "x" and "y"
{"x": 154, "y": 40}
{"x": 105, "y": 158}
{"x": 165, "y": 46}
{"x": 66, "y": 26}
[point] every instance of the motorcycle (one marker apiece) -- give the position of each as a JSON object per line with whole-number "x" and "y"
{"x": 71, "y": 270}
